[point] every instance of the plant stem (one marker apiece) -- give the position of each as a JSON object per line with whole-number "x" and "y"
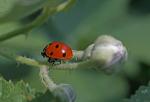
{"x": 29, "y": 61}
{"x": 34, "y": 63}
{"x": 47, "y": 11}
{"x": 46, "y": 80}
{"x": 37, "y": 22}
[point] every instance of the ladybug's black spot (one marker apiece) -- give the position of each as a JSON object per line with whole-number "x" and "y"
{"x": 51, "y": 53}
{"x": 57, "y": 46}
{"x": 64, "y": 54}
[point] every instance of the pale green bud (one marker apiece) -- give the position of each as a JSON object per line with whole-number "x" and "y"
{"x": 107, "y": 52}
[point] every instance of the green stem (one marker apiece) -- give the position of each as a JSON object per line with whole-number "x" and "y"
{"x": 40, "y": 20}
{"x": 47, "y": 11}
{"x": 29, "y": 61}
{"x": 46, "y": 80}
{"x": 34, "y": 63}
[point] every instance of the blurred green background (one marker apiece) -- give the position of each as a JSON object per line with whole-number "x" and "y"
{"x": 127, "y": 20}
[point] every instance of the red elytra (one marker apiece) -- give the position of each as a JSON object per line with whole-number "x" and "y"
{"x": 58, "y": 51}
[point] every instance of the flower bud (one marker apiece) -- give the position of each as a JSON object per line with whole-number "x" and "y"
{"x": 108, "y": 51}
{"x": 64, "y": 93}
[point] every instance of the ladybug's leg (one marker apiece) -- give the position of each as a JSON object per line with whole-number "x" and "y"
{"x": 56, "y": 61}
{"x": 60, "y": 61}
{"x": 52, "y": 61}
{"x": 63, "y": 61}
{"x": 43, "y": 54}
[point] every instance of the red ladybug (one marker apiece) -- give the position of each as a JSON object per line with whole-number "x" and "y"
{"x": 57, "y": 51}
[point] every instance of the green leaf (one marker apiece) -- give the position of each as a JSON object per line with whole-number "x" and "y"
{"x": 44, "y": 97}
{"x": 19, "y": 92}
{"x": 49, "y": 97}
{"x": 142, "y": 95}
{"x": 16, "y": 9}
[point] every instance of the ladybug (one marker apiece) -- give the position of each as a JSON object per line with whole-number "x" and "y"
{"x": 57, "y": 52}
